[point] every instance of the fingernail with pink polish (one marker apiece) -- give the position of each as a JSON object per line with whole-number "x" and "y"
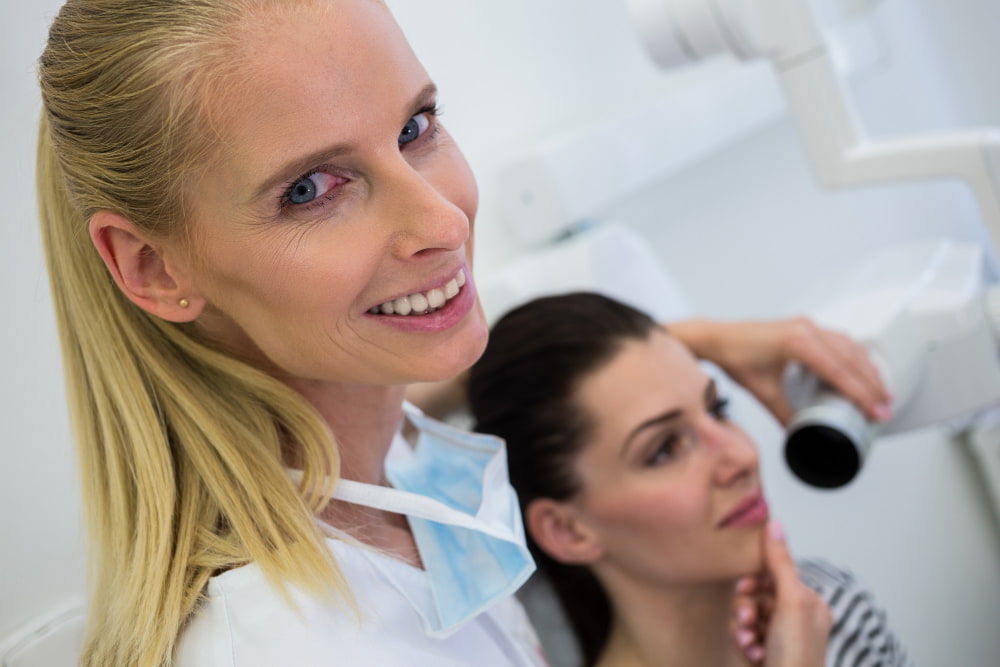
{"x": 743, "y": 614}
{"x": 883, "y": 413}
{"x": 775, "y": 531}
{"x": 744, "y": 637}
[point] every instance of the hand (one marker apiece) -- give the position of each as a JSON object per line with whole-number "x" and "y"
{"x": 796, "y": 619}
{"x": 756, "y": 354}
{"x": 753, "y": 603}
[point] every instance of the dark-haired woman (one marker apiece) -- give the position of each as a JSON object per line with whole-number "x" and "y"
{"x": 643, "y": 501}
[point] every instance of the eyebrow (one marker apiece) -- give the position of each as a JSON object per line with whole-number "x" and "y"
{"x": 671, "y": 415}
{"x": 299, "y": 166}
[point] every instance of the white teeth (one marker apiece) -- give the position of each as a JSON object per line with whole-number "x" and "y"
{"x": 402, "y": 305}
{"x": 435, "y": 298}
{"x": 418, "y": 303}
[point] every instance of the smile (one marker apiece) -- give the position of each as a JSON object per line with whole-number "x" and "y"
{"x": 421, "y": 303}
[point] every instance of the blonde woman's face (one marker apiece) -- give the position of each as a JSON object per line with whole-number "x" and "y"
{"x": 337, "y": 192}
{"x": 669, "y": 485}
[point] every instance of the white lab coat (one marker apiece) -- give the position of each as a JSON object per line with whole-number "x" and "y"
{"x": 245, "y": 622}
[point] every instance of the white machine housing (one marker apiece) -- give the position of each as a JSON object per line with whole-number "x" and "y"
{"x": 931, "y": 322}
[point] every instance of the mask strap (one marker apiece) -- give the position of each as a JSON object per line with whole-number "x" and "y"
{"x": 402, "y": 502}
{"x": 411, "y": 504}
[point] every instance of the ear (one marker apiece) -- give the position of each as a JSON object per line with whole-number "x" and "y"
{"x": 562, "y": 533}
{"x": 140, "y": 270}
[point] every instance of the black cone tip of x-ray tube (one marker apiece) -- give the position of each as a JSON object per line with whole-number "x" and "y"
{"x": 822, "y": 456}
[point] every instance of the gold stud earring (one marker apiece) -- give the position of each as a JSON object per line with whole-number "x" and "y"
{"x": 183, "y": 303}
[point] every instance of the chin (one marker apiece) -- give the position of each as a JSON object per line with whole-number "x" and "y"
{"x": 457, "y": 357}
{"x": 752, "y": 560}
{"x": 474, "y": 341}
{"x": 745, "y": 558}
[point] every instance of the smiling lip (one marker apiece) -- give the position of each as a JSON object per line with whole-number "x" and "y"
{"x": 750, "y": 511}
{"x": 451, "y": 313}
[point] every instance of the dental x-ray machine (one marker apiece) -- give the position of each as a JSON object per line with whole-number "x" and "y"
{"x": 927, "y": 313}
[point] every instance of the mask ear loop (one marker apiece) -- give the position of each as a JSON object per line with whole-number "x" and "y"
{"x": 414, "y": 421}
{"x": 388, "y": 499}
{"x": 421, "y": 423}
{"x": 402, "y": 502}
{"x": 409, "y": 410}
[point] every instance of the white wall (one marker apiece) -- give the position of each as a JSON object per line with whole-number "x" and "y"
{"x": 526, "y": 70}
{"x": 746, "y": 234}
{"x": 41, "y": 546}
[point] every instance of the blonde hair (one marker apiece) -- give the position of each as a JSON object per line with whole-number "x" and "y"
{"x": 180, "y": 445}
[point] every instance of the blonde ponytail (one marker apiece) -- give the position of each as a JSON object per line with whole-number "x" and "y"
{"x": 180, "y": 445}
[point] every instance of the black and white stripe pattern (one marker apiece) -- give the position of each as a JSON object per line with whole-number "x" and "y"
{"x": 860, "y": 636}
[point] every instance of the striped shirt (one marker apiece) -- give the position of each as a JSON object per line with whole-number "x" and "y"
{"x": 860, "y": 636}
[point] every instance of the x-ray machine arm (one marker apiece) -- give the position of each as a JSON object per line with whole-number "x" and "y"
{"x": 786, "y": 32}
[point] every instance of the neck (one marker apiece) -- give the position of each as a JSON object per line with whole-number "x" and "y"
{"x": 675, "y": 626}
{"x": 364, "y": 419}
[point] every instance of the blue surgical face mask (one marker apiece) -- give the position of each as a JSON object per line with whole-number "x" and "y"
{"x": 464, "y": 516}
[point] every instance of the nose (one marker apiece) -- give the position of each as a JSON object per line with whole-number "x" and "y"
{"x": 736, "y": 456}
{"x": 424, "y": 211}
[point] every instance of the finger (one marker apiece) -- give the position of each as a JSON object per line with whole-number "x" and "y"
{"x": 750, "y": 643}
{"x": 765, "y": 583}
{"x": 778, "y": 560}
{"x": 765, "y": 609}
{"x": 844, "y": 364}
{"x": 745, "y": 611}
{"x": 744, "y": 634}
{"x": 744, "y": 637}
{"x": 762, "y": 597}
{"x": 872, "y": 393}
{"x": 747, "y": 584}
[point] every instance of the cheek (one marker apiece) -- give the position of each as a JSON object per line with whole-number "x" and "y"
{"x": 668, "y": 535}
{"x": 255, "y": 290}
{"x": 299, "y": 264}
{"x": 661, "y": 513}
{"x": 235, "y": 282}
{"x": 657, "y": 538}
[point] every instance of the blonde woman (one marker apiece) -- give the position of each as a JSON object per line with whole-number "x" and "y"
{"x": 258, "y": 234}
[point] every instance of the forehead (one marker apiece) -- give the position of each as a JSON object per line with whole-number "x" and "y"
{"x": 302, "y": 45}
{"x": 645, "y": 378}
{"x": 309, "y": 72}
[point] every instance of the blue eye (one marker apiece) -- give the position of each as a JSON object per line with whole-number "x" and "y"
{"x": 415, "y": 127}
{"x": 315, "y": 187}
{"x": 302, "y": 191}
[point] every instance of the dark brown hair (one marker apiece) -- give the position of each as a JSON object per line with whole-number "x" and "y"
{"x": 523, "y": 389}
